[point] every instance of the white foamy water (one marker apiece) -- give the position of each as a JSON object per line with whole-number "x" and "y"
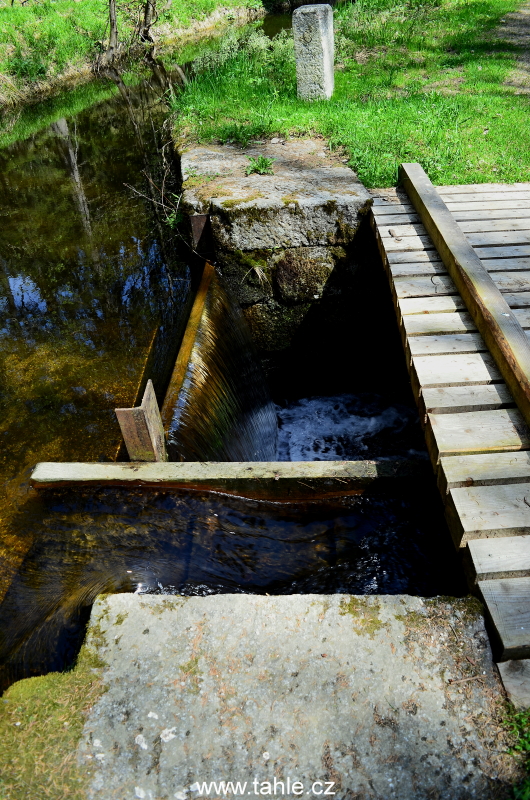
{"x": 346, "y": 427}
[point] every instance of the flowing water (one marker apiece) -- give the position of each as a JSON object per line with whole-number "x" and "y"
{"x": 347, "y": 427}
{"x": 223, "y": 410}
{"x": 388, "y": 540}
{"x": 94, "y": 286}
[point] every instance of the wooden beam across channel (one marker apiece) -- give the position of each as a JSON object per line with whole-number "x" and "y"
{"x": 476, "y": 433}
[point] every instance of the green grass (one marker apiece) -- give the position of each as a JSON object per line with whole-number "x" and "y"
{"x": 518, "y": 724}
{"x": 41, "y": 722}
{"x": 43, "y": 38}
{"x": 415, "y": 81}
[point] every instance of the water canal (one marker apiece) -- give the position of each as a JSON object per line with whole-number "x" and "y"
{"x": 90, "y": 278}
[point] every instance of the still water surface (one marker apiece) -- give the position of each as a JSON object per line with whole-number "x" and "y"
{"x": 86, "y": 280}
{"x": 91, "y": 282}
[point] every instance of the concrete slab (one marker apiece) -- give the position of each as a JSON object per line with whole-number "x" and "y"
{"x": 311, "y": 199}
{"x": 350, "y": 697}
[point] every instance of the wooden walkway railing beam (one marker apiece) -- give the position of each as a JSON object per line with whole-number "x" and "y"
{"x": 502, "y": 333}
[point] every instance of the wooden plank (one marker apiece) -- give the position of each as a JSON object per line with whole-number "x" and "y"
{"x": 493, "y": 238}
{"x": 188, "y": 340}
{"x": 434, "y": 285}
{"x": 135, "y": 434}
{"x": 417, "y": 256}
{"x": 515, "y": 676}
{"x": 506, "y": 264}
{"x": 486, "y": 469}
{"x": 476, "y": 432}
{"x": 492, "y": 511}
{"x": 463, "y": 215}
{"x": 485, "y": 205}
{"x": 508, "y": 604}
{"x": 423, "y": 268}
{"x": 482, "y": 228}
{"x": 499, "y": 327}
{"x": 384, "y": 220}
{"x": 458, "y": 399}
{"x": 460, "y": 369}
{"x": 142, "y": 429}
{"x": 494, "y": 196}
{"x": 512, "y": 281}
{"x": 424, "y": 286}
{"x": 508, "y": 557}
{"x": 417, "y": 269}
{"x": 431, "y": 305}
{"x": 491, "y": 225}
{"x": 279, "y": 480}
{"x": 472, "y": 188}
{"x": 406, "y": 243}
{"x": 515, "y": 300}
{"x": 446, "y": 344}
{"x": 460, "y": 322}
{"x": 398, "y": 231}
{"x": 380, "y": 203}
{"x": 450, "y": 303}
{"x": 516, "y": 251}
{"x": 153, "y": 421}
{"x": 438, "y": 324}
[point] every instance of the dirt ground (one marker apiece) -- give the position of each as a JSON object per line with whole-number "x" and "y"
{"x": 515, "y": 29}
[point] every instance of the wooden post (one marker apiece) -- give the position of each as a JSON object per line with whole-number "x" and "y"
{"x": 142, "y": 429}
{"x": 502, "y": 333}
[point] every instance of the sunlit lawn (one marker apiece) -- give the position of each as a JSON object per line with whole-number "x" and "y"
{"x": 417, "y": 81}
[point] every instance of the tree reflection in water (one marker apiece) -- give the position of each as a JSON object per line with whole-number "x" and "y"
{"x": 88, "y": 276}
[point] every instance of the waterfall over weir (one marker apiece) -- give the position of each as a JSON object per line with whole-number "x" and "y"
{"x": 218, "y": 406}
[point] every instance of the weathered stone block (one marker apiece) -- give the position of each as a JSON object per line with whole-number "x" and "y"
{"x": 364, "y": 693}
{"x": 248, "y": 275}
{"x": 292, "y": 275}
{"x": 315, "y": 51}
{"x": 311, "y": 199}
{"x": 273, "y": 325}
{"x": 301, "y": 273}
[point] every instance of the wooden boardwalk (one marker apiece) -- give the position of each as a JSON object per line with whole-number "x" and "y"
{"x": 477, "y": 435}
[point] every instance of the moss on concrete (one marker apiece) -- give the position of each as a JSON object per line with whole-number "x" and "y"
{"x": 250, "y": 213}
{"x": 41, "y": 722}
{"x": 167, "y": 604}
{"x": 239, "y": 201}
{"x": 365, "y": 614}
{"x": 467, "y": 608}
{"x": 273, "y": 325}
{"x": 192, "y": 673}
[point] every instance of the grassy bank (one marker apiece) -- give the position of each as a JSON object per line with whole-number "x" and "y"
{"x": 423, "y": 80}
{"x": 41, "y": 722}
{"x": 43, "y": 40}
{"x": 518, "y": 724}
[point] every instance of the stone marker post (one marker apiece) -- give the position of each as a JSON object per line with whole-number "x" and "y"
{"x": 314, "y": 49}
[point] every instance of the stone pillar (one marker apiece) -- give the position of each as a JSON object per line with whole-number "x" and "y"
{"x": 314, "y": 49}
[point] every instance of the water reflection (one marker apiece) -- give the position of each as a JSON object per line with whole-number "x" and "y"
{"x": 116, "y": 540}
{"x": 90, "y": 287}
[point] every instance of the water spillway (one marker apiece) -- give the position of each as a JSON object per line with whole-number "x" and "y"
{"x": 218, "y": 406}
{"x": 102, "y": 312}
